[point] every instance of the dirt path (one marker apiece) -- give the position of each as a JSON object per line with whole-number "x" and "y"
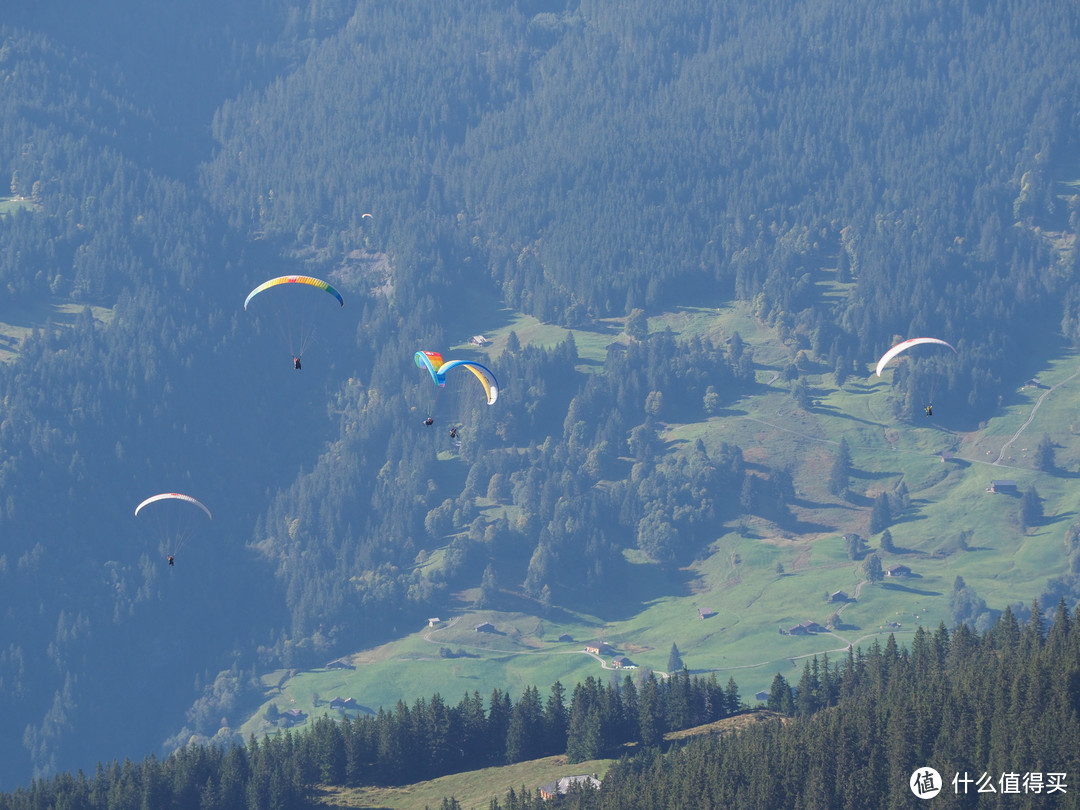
{"x": 789, "y": 430}
{"x": 1031, "y": 416}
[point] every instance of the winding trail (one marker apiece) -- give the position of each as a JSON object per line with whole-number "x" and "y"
{"x": 1031, "y": 416}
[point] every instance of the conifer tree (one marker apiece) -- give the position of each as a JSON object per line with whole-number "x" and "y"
{"x": 840, "y": 472}
{"x": 675, "y": 662}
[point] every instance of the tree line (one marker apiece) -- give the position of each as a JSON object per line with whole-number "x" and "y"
{"x": 981, "y": 706}
{"x": 406, "y": 744}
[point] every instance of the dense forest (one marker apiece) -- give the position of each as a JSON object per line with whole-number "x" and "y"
{"x": 992, "y": 709}
{"x": 568, "y": 160}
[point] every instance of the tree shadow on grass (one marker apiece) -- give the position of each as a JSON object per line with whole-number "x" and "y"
{"x": 639, "y": 586}
{"x": 896, "y": 586}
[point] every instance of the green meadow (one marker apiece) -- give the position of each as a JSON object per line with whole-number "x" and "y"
{"x": 9, "y": 205}
{"x": 18, "y": 322}
{"x": 758, "y": 578}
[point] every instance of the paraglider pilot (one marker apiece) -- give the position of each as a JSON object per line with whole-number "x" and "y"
{"x": 296, "y": 363}
{"x": 429, "y": 421}
{"x": 929, "y": 409}
{"x": 453, "y": 432}
{"x": 171, "y": 561}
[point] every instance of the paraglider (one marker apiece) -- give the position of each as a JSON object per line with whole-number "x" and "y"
{"x": 175, "y": 516}
{"x": 438, "y": 368}
{"x": 931, "y": 371}
{"x": 904, "y": 346}
{"x": 318, "y": 283}
{"x": 297, "y": 313}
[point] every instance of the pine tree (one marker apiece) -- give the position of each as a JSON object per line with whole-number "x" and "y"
{"x": 1031, "y": 510}
{"x": 732, "y": 705}
{"x": 840, "y": 472}
{"x": 650, "y": 713}
{"x": 887, "y": 542}
{"x": 1044, "y": 455}
{"x": 674, "y": 662}
{"x": 555, "y": 720}
{"x": 880, "y": 514}
{"x": 872, "y": 569}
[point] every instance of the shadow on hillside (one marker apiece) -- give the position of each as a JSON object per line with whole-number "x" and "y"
{"x": 857, "y": 500}
{"x": 642, "y": 585}
{"x": 806, "y": 503}
{"x": 871, "y": 476}
{"x": 902, "y": 550}
{"x": 896, "y": 586}
{"x": 507, "y": 601}
{"x": 1057, "y": 472}
{"x": 857, "y": 388}
{"x": 958, "y": 462}
{"x": 1050, "y": 520}
{"x": 729, "y": 413}
{"x": 832, "y": 410}
{"x": 588, "y": 361}
{"x": 28, "y": 314}
{"x": 844, "y": 626}
{"x": 908, "y": 518}
{"x": 790, "y": 523}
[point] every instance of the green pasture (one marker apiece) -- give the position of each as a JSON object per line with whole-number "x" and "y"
{"x": 16, "y": 324}
{"x": 9, "y": 205}
{"x": 946, "y": 474}
{"x": 523, "y": 651}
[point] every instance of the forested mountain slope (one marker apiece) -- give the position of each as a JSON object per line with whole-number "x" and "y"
{"x": 602, "y": 158}
{"x": 569, "y": 161}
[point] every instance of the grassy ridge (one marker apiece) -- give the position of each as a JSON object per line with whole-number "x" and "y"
{"x": 738, "y": 578}
{"x": 472, "y": 789}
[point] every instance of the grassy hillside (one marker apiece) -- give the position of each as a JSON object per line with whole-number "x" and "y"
{"x": 946, "y": 474}
{"x": 475, "y": 789}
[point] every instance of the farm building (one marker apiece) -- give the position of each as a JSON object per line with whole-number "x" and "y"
{"x": 553, "y": 789}
{"x": 1002, "y": 485}
{"x": 292, "y": 717}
